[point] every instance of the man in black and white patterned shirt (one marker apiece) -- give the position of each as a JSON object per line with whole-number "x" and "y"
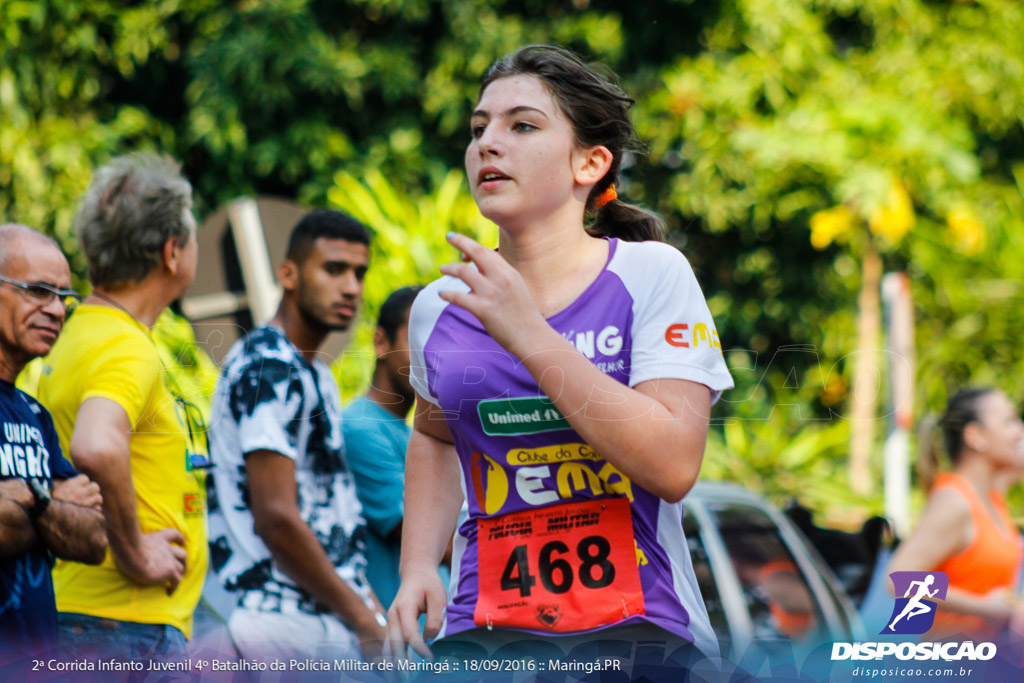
{"x": 292, "y": 551}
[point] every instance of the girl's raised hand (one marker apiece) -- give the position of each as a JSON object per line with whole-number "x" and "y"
{"x": 499, "y": 298}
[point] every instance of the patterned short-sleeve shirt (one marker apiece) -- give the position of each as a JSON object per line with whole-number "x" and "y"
{"x": 270, "y": 397}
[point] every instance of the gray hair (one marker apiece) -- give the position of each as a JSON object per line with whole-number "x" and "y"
{"x": 134, "y": 204}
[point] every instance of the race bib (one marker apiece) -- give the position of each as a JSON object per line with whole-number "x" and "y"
{"x": 568, "y": 567}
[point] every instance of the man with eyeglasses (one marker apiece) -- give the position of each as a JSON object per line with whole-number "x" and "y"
{"x": 46, "y": 507}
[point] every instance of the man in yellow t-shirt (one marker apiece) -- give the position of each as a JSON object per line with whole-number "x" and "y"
{"x": 119, "y": 423}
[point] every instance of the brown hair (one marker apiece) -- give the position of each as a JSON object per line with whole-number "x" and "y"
{"x": 963, "y": 409}
{"x": 598, "y": 111}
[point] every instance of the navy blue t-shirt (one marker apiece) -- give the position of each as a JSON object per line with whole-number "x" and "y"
{"x": 29, "y": 449}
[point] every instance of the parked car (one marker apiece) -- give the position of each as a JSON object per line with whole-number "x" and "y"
{"x": 763, "y": 583}
{"x": 854, "y": 557}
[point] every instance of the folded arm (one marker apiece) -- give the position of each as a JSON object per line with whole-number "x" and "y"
{"x": 17, "y": 535}
{"x": 71, "y": 527}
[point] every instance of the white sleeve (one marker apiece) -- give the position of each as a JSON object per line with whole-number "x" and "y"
{"x": 423, "y": 316}
{"x": 673, "y": 335}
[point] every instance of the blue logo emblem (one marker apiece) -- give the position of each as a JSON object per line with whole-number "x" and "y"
{"x": 914, "y": 612}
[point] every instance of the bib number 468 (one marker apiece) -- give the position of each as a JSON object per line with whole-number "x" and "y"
{"x": 555, "y": 571}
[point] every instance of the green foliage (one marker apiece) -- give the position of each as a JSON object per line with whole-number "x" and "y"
{"x": 771, "y": 123}
{"x": 360, "y": 85}
{"x": 408, "y": 246}
{"x": 191, "y": 373}
{"x": 796, "y": 107}
{"x": 778, "y": 457}
{"x": 60, "y": 60}
{"x": 775, "y": 438}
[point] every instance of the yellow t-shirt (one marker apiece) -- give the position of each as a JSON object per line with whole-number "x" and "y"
{"x": 104, "y": 352}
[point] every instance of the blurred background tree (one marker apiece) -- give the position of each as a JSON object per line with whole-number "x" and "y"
{"x": 797, "y": 149}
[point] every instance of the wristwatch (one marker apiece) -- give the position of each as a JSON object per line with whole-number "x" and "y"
{"x": 42, "y": 496}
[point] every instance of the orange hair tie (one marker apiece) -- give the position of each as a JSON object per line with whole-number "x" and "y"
{"x": 609, "y": 195}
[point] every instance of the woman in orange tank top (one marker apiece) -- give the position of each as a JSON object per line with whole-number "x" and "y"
{"x": 965, "y": 530}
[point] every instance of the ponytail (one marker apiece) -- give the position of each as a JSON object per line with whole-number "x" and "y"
{"x": 928, "y": 451}
{"x": 627, "y": 222}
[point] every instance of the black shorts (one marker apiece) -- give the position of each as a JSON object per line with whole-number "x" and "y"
{"x": 623, "y": 653}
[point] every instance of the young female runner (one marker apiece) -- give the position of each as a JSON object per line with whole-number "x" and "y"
{"x": 966, "y": 530}
{"x": 564, "y": 383}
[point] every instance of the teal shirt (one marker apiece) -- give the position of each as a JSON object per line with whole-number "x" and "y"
{"x": 375, "y": 443}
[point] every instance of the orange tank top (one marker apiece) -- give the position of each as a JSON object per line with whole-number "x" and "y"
{"x": 991, "y": 560}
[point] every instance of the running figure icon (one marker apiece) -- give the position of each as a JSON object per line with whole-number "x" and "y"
{"x": 915, "y": 606}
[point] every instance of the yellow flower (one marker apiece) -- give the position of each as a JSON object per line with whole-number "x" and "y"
{"x": 895, "y": 218}
{"x": 834, "y": 392}
{"x": 966, "y": 230}
{"x": 830, "y": 225}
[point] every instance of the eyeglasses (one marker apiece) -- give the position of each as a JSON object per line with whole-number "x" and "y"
{"x": 43, "y": 294}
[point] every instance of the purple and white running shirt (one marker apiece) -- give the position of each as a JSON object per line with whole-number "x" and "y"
{"x": 524, "y": 467}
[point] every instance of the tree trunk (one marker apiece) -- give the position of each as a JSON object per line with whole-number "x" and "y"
{"x": 867, "y": 377}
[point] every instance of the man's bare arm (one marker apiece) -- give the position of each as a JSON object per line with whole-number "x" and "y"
{"x": 17, "y": 535}
{"x": 295, "y": 548}
{"x": 72, "y": 527}
{"x": 101, "y": 447}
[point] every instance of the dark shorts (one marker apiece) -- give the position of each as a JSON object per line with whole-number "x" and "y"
{"x": 625, "y": 653}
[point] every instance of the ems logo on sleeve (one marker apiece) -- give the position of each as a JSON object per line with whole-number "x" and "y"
{"x": 914, "y": 612}
{"x": 679, "y": 335}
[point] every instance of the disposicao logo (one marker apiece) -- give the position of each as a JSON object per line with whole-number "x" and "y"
{"x": 914, "y": 613}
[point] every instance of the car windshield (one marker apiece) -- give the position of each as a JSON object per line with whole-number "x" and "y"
{"x": 780, "y": 602}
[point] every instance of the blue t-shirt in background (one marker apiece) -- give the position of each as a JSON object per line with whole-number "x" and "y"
{"x": 375, "y": 443}
{"x": 29, "y": 449}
